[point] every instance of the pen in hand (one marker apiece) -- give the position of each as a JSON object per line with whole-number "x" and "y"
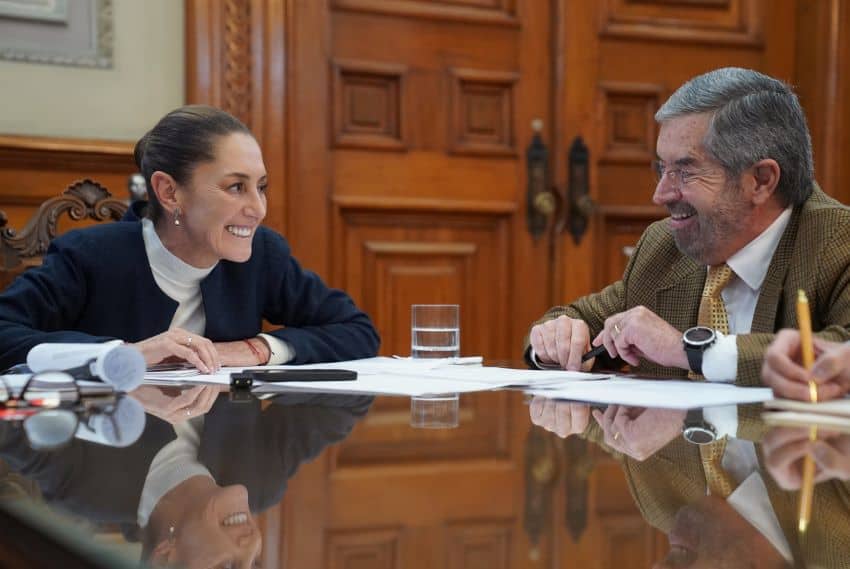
{"x": 594, "y": 352}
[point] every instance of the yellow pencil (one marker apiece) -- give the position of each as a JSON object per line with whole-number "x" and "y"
{"x": 808, "y": 354}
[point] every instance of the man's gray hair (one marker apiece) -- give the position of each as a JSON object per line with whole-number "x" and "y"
{"x": 754, "y": 117}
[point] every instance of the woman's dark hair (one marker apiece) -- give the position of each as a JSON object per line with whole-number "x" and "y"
{"x": 180, "y": 141}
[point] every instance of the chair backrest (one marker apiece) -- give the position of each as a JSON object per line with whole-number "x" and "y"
{"x": 81, "y": 200}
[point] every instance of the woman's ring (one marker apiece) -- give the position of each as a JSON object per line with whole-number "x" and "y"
{"x": 189, "y": 341}
{"x": 617, "y": 328}
{"x": 616, "y": 435}
{"x": 188, "y": 411}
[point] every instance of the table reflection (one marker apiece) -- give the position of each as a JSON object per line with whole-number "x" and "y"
{"x": 188, "y": 490}
{"x": 754, "y": 523}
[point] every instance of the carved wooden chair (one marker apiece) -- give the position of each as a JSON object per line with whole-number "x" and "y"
{"x": 81, "y": 200}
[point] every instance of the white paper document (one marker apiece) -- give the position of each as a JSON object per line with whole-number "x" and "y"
{"x": 394, "y": 376}
{"x": 667, "y": 394}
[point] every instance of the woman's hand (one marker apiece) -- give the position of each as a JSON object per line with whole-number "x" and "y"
{"x": 182, "y": 345}
{"x": 176, "y": 405}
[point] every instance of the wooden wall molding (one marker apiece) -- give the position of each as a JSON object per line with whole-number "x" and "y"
{"x": 65, "y": 154}
{"x": 495, "y": 12}
{"x": 726, "y": 22}
{"x": 494, "y": 207}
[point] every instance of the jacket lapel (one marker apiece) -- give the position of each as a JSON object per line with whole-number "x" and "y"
{"x": 770, "y": 298}
{"x": 678, "y": 295}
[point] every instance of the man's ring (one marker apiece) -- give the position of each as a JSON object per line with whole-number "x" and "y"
{"x": 617, "y": 328}
{"x": 616, "y": 435}
{"x": 189, "y": 341}
{"x": 188, "y": 412}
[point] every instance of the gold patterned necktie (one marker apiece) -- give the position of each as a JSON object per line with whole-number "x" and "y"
{"x": 712, "y": 313}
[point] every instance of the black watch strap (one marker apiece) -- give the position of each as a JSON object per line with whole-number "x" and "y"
{"x": 694, "y": 355}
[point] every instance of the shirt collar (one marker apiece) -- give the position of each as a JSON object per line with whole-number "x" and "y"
{"x": 752, "y": 261}
{"x": 167, "y": 263}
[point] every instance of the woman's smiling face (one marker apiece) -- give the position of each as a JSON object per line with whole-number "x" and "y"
{"x": 223, "y": 204}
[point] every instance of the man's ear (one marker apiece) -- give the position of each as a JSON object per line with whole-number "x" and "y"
{"x": 165, "y": 188}
{"x": 765, "y": 178}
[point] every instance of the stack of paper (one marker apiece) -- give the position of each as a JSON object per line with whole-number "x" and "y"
{"x": 833, "y": 415}
{"x": 394, "y": 376}
{"x": 666, "y": 394}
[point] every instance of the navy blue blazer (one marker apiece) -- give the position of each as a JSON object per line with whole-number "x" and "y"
{"x": 96, "y": 284}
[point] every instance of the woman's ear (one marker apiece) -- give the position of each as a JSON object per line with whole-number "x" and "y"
{"x": 165, "y": 188}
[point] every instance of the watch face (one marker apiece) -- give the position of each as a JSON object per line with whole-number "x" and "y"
{"x": 699, "y": 335}
{"x": 699, "y": 435}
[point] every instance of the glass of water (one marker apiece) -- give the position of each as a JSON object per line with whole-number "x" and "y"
{"x": 435, "y": 331}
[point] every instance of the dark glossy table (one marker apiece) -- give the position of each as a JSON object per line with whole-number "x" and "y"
{"x": 323, "y": 480}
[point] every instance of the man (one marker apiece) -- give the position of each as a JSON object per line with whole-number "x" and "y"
{"x": 735, "y": 174}
{"x": 707, "y": 288}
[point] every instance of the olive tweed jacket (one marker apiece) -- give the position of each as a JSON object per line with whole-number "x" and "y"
{"x": 813, "y": 254}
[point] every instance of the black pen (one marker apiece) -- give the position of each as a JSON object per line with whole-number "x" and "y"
{"x": 597, "y": 351}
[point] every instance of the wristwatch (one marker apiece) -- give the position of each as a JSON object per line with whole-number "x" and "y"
{"x": 696, "y": 340}
{"x": 697, "y": 430}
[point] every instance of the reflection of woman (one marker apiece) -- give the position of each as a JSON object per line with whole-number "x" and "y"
{"x": 193, "y": 280}
{"x": 190, "y": 492}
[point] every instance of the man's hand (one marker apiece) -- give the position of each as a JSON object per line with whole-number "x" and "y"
{"x": 637, "y": 431}
{"x": 783, "y": 372}
{"x": 562, "y": 340}
{"x": 785, "y": 449}
{"x": 640, "y": 333}
{"x": 559, "y": 417}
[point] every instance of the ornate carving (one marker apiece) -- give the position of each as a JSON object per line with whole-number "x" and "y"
{"x": 237, "y": 60}
{"x": 83, "y": 199}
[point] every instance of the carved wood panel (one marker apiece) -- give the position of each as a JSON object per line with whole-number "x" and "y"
{"x": 629, "y": 124}
{"x": 731, "y": 22}
{"x": 482, "y": 112}
{"x": 478, "y": 546}
{"x": 357, "y": 549}
{"x": 500, "y": 12}
{"x": 369, "y": 100}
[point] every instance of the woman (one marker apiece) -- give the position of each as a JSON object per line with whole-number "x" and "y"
{"x": 195, "y": 278}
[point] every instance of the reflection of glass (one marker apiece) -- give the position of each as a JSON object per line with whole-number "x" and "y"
{"x": 437, "y": 411}
{"x": 435, "y": 331}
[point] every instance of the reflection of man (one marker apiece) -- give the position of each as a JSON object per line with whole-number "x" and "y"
{"x": 711, "y": 533}
{"x": 735, "y": 174}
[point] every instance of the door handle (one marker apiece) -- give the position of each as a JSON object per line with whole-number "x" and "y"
{"x": 581, "y": 206}
{"x": 542, "y": 201}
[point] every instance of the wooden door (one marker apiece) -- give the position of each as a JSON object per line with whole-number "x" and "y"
{"x": 622, "y": 59}
{"x": 418, "y": 114}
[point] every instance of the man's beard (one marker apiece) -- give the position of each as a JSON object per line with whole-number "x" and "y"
{"x": 715, "y": 228}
